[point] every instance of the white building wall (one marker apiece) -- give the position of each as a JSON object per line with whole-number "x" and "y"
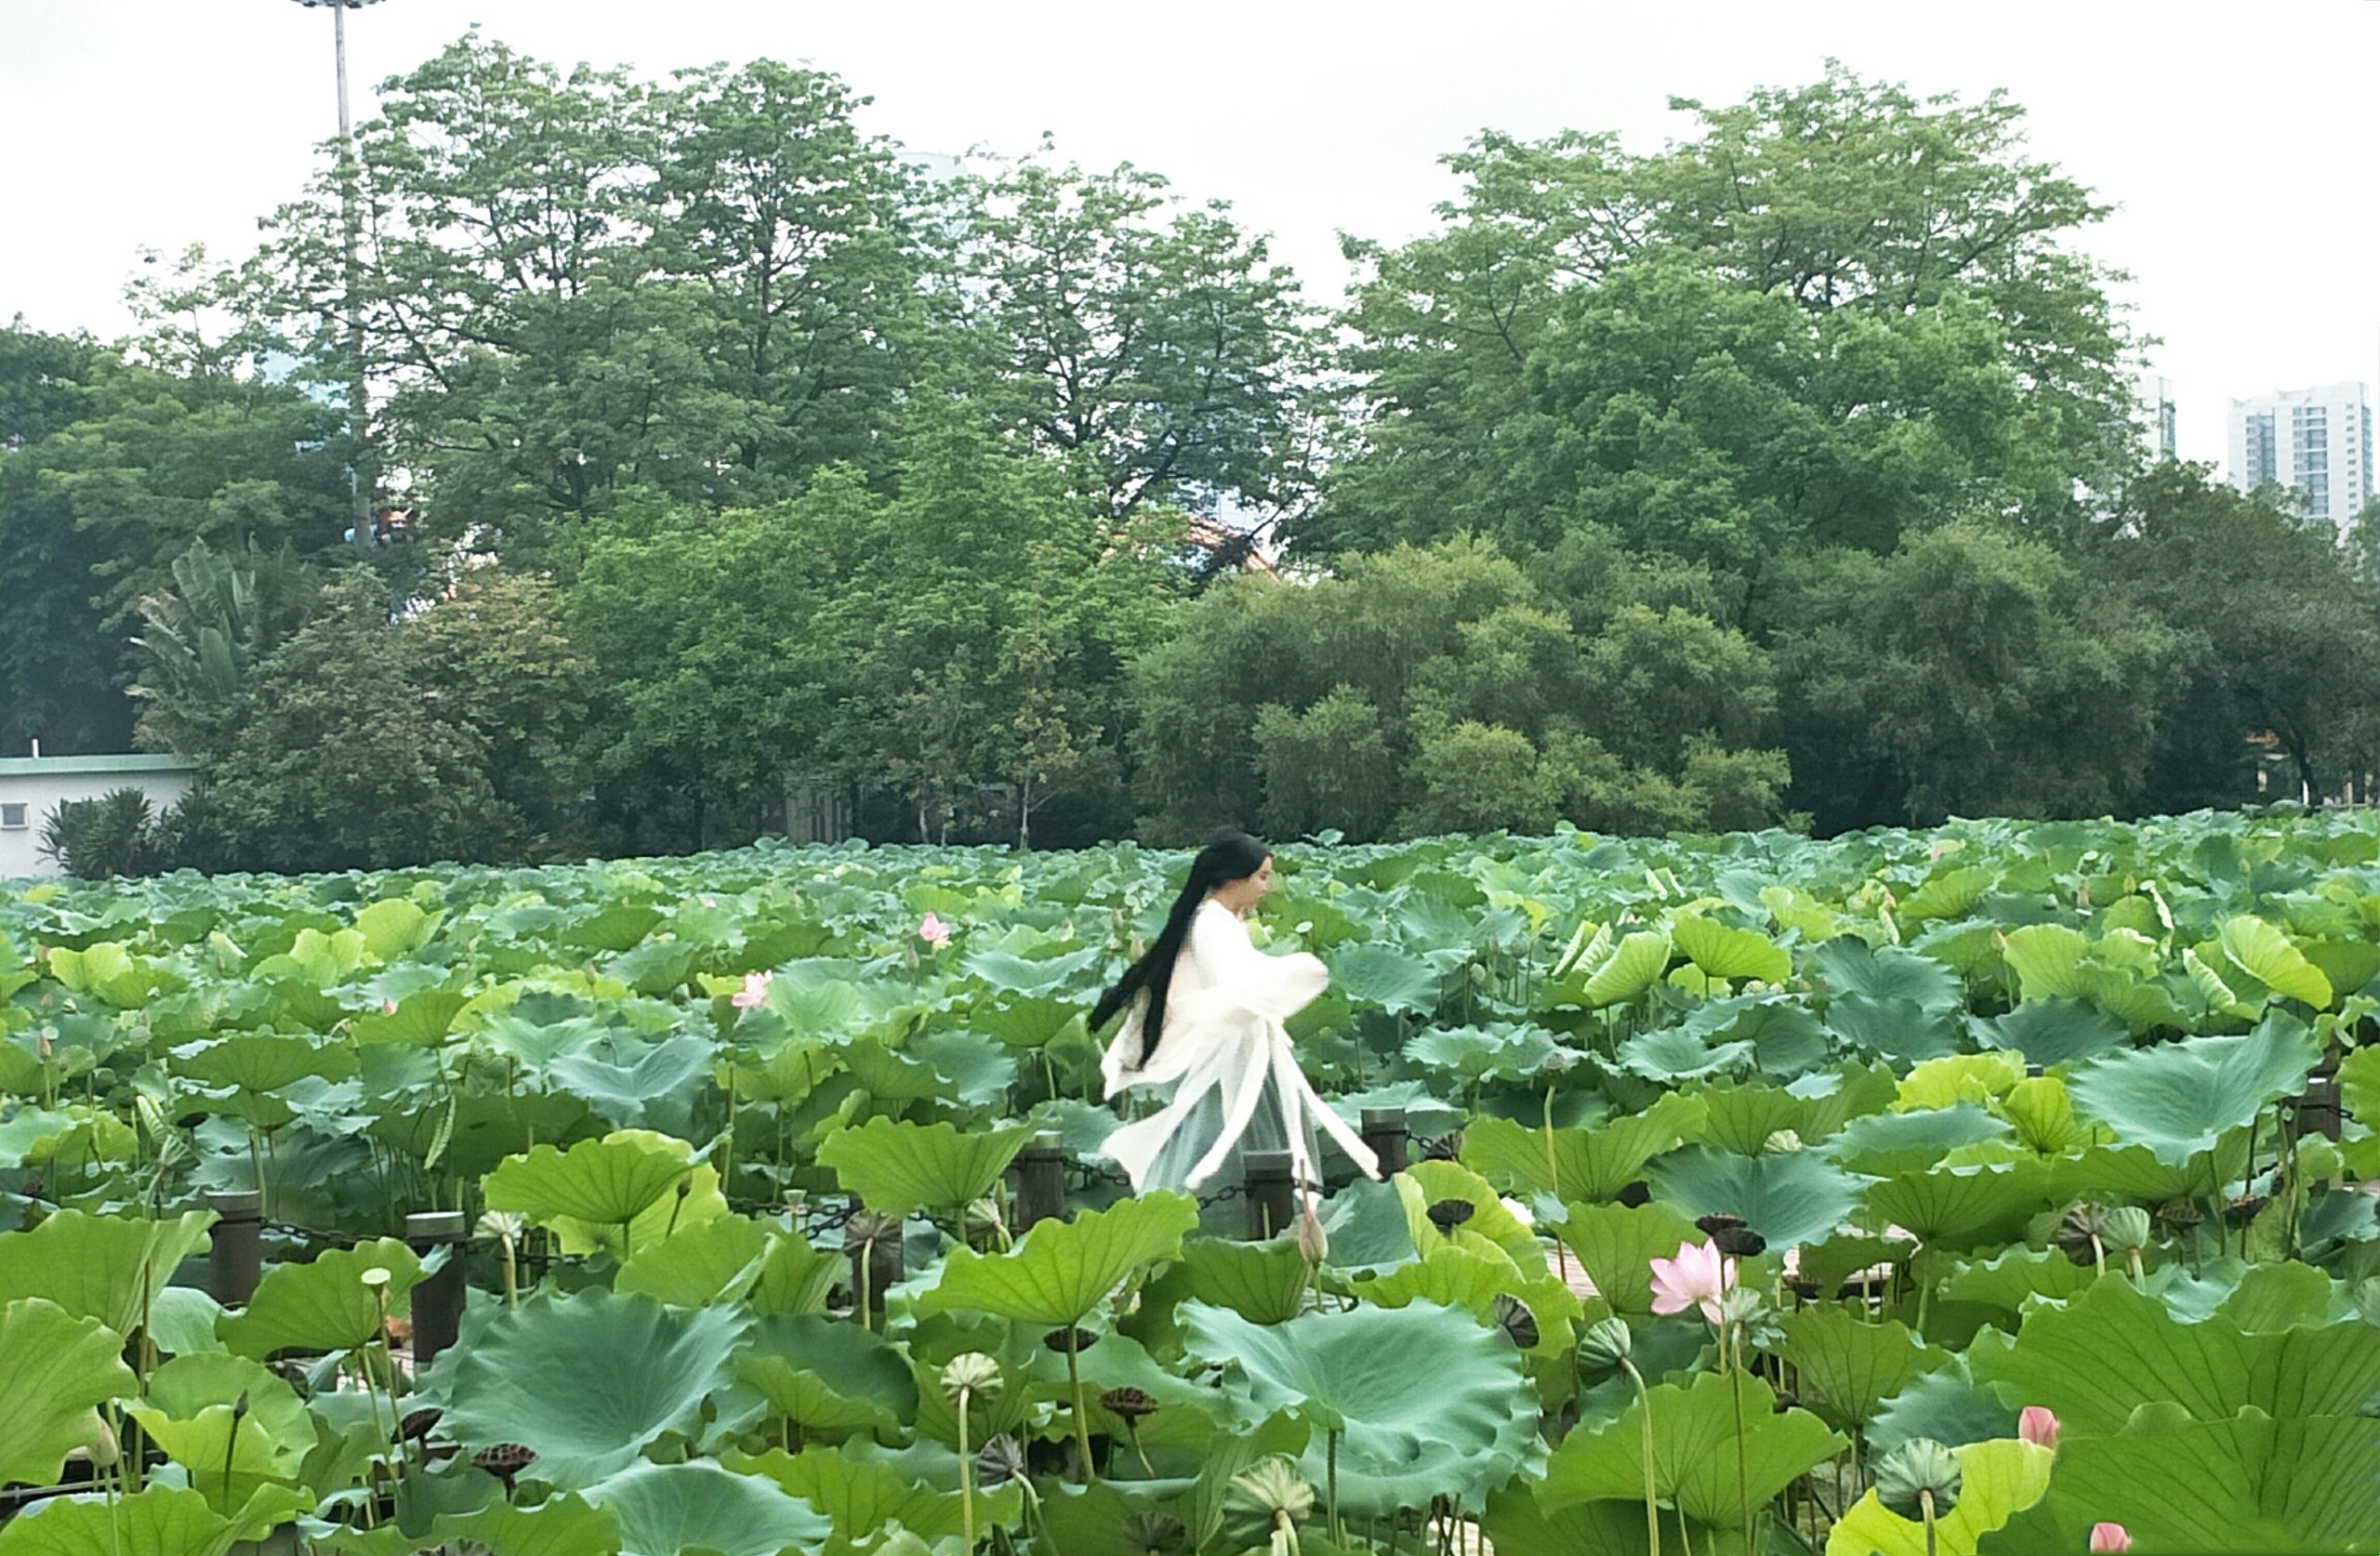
{"x": 2315, "y": 442}
{"x": 41, "y": 784}
{"x": 2155, "y": 418}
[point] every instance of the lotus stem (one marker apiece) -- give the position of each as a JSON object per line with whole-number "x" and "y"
{"x": 1743, "y": 1484}
{"x": 1082, "y": 1413}
{"x": 1925, "y": 1505}
{"x": 966, "y": 1474}
{"x": 1331, "y": 1486}
{"x": 1652, "y": 1507}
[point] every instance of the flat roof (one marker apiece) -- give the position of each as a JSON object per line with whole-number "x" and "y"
{"x": 38, "y": 767}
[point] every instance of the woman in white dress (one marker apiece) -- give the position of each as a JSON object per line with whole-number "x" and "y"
{"x": 1206, "y": 1021}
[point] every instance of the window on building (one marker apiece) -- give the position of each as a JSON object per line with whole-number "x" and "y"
{"x": 13, "y": 818}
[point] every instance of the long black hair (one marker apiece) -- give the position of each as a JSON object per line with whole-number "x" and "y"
{"x": 1227, "y": 854}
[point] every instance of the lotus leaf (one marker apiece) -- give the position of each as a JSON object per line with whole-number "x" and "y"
{"x": 1729, "y": 955}
{"x": 2111, "y": 1349}
{"x": 2243, "y": 1483}
{"x": 420, "y": 1020}
{"x": 1996, "y": 1480}
{"x": 2268, "y": 956}
{"x": 1588, "y": 1165}
{"x": 110, "y": 1268}
{"x": 1700, "y": 1463}
{"x": 898, "y": 1167}
{"x": 524, "y": 1378}
{"x": 602, "y": 1182}
{"x": 650, "y": 1087}
{"x": 665, "y": 1509}
{"x": 1263, "y": 1282}
{"x": 1060, "y": 1270}
{"x": 1370, "y": 973}
{"x": 1616, "y": 1246}
{"x": 825, "y": 1378}
{"x": 2054, "y": 1032}
{"x": 1946, "y": 1405}
{"x": 1635, "y": 966}
{"x": 1850, "y": 966}
{"x": 860, "y": 1497}
{"x": 158, "y": 1520}
{"x": 1847, "y": 1365}
{"x": 796, "y": 1277}
{"x": 1963, "y": 1207}
{"x": 1795, "y": 1197}
{"x": 325, "y": 1305}
{"x": 716, "y": 1260}
{"x": 56, "y": 1368}
{"x": 1468, "y": 1272}
{"x": 2179, "y": 1097}
{"x": 1423, "y": 1400}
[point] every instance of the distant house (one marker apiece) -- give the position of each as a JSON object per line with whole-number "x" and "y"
{"x": 30, "y": 788}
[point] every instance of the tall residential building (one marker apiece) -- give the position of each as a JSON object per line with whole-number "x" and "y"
{"x": 2153, "y": 396}
{"x": 2317, "y": 442}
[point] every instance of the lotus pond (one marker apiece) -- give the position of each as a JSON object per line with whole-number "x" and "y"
{"x": 2001, "y": 1189}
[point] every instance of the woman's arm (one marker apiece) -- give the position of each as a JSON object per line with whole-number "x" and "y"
{"x": 1274, "y": 987}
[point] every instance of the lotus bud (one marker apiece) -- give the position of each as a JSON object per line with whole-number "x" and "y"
{"x": 104, "y": 1450}
{"x": 2038, "y": 1425}
{"x": 974, "y": 1374}
{"x": 2110, "y": 1536}
{"x": 1605, "y": 1344}
{"x": 1921, "y": 1471}
{"x": 1314, "y": 1245}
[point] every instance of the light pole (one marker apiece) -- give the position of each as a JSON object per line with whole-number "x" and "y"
{"x": 359, "y": 408}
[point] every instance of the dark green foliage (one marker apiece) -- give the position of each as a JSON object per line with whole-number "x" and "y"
{"x": 97, "y": 840}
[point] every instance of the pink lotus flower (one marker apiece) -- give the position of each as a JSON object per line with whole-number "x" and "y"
{"x": 1312, "y": 1245}
{"x": 1696, "y": 1277}
{"x": 2110, "y": 1536}
{"x": 2038, "y": 1425}
{"x": 932, "y": 930}
{"x": 388, "y": 1007}
{"x": 755, "y": 989}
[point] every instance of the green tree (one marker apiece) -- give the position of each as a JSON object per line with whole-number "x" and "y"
{"x": 1158, "y": 341}
{"x": 1970, "y": 673}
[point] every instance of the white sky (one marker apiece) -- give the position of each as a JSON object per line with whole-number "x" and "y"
{"x": 2236, "y": 140}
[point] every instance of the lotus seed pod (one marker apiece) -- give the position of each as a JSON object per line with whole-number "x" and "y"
{"x": 1918, "y": 1466}
{"x": 376, "y": 1277}
{"x": 974, "y": 1374}
{"x": 2126, "y": 1228}
{"x": 1605, "y": 1344}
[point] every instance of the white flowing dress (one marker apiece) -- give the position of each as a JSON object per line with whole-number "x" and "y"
{"x": 1235, "y": 1084}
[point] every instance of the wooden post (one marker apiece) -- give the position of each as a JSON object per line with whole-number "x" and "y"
{"x": 1040, "y": 1181}
{"x": 1385, "y": 1131}
{"x": 1272, "y": 1193}
{"x": 438, "y": 1296}
{"x": 235, "y": 1249}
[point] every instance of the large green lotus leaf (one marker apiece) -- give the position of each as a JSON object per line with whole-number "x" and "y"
{"x": 260, "y": 1062}
{"x": 490, "y": 1126}
{"x": 1951, "y": 894}
{"x": 1587, "y": 1166}
{"x": 56, "y": 1370}
{"x": 896, "y": 1166}
{"x": 181, "y": 1321}
{"x": 395, "y": 927}
{"x": 1887, "y": 1143}
{"x": 421, "y": 1020}
{"x": 2271, "y": 1298}
{"x": 1370, "y": 973}
{"x": 1467, "y": 1271}
{"x": 1899, "y": 1030}
{"x": 2247, "y": 1483}
{"x": 1741, "y": 1118}
{"x": 1981, "y": 1078}
{"x": 1635, "y": 966}
{"x": 188, "y": 1390}
{"x": 1946, "y": 1405}
{"x": 1023, "y": 1363}
{"x": 978, "y": 1070}
{"x": 110, "y": 1268}
{"x": 1996, "y": 1481}
{"x": 2111, "y": 1350}
{"x": 1966, "y": 1206}
{"x": 1848, "y": 1364}
{"x": 1616, "y": 1246}
{"x": 1263, "y": 1282}
{"x": 649, "y": 1088}
{"x": 157, "y": 1521}
{"x": 2178, "y": 1097}
{"x": 826, "y": 1378}
{"x": 1010, "y": 974}
{"x": 1700, "y": 1463}
{"x": 2008, "y": 1279}
{"x": 796, "y": 1277}
{"x": 603, "y": 1182}
{"x": 614, "y": 928}
{"x": 665, "y": 1509}
{"x": 716, "y": 1260}
{"x": 228, "y": 1458}
{"x": 1729, "y": 955}
{"x": 1027, "y": 1023}
{"x": 1060, "y": 1270}
{"x": 528, "y": 1376}
{"x": 1426, "y": 1183}
{"x": 1789, "y": 1197}
{"x": 2047, "y": 960}
{"x": 1425, "y": 1401}
{"x": 565, "y": 1525}
{"x": 321, "y": 1306}
{"x": 1515, "y": 1525}
{"x": 1673, "y": 1054}
{"x": 860, "y": 1496}
{"x": 2054, "y": 1032}
{"x": 2271, "y": 957}
{"x": 2041, "y": 1110}
{"x": 1849, "y": 966}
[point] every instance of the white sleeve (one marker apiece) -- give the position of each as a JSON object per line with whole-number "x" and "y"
{"x": 1246, "y": 979}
